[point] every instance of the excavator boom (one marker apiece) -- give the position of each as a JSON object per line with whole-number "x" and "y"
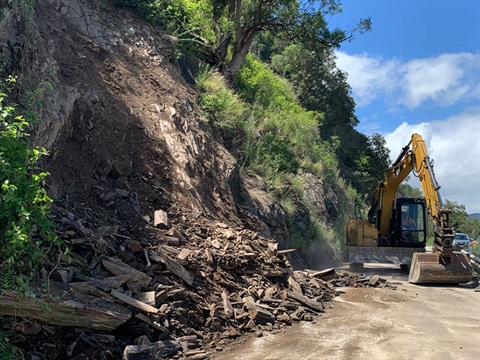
{"x": 443, "y": 266}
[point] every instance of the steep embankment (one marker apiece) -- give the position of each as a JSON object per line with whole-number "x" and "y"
{"x": 137, "y": 176}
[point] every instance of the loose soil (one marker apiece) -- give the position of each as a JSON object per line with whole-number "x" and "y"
{"x": 411, "y": 322}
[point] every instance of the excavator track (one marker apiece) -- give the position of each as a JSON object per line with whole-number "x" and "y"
{"x": 431, "y": 268}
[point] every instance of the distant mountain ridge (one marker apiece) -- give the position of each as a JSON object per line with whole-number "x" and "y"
{"x": 474, "y": 216}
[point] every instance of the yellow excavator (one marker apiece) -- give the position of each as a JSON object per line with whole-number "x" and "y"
{"x": 395, "y": 231}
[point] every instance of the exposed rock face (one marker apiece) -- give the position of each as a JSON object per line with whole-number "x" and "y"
{"x": 120, "y": 114}
{"x": 315, "y": 196}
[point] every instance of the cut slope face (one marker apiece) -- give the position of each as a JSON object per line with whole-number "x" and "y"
{"x": 143, "y": 191}
{"x": 120, "y": 123}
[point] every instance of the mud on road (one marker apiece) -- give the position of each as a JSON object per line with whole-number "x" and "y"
{"x": 411, "y": 322}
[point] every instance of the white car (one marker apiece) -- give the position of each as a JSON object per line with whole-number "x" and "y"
{"x": 461, "y": 241}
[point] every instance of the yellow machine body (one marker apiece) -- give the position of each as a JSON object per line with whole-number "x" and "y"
{"x": 384, "y": 230}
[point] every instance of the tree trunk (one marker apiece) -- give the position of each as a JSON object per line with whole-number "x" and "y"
{"x": 240, "y": 54}
{"x": 222, "y": 48}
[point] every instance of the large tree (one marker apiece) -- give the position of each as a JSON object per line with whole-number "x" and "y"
{"x": 236, "y": 22}
{"x": 226, "y": 29}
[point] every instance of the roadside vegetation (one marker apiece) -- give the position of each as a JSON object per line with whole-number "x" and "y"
{"x": 27, "y": 236}
{"x": 26, "y": 233}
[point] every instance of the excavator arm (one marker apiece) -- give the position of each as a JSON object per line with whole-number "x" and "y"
{"x": 414, "y": 158}
{"x": 444, "y": 234}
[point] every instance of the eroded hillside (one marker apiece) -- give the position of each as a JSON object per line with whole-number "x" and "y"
{"x": 138, "y": 179}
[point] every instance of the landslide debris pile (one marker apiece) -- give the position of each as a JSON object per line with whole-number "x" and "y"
{"x": 124, "y": 141}
{"x": 184, "y": 291}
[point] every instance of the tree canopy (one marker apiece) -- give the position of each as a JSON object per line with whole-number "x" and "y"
{"x": 236, "y": 22}
{"x": 226, "y": 29}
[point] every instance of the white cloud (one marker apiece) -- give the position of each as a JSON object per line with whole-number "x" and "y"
{"x": 444, "y": 79}
{"x": 368, "y": 76}
{"x": 454, "y": 145}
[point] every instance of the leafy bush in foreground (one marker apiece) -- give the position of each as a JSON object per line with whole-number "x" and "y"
{"x": 24, "y": 204}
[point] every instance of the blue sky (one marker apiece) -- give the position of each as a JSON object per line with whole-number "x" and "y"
{"x": 418, "y": 70}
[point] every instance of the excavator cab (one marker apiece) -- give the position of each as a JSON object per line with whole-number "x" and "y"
{"x": 410, "y": 223}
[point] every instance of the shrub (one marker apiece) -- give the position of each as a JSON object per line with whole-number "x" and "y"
{"x": 225, "y": 111}
{"x": 7, "y": 350}
{"x": 24, "y": 203}
{"x": 275, "y": 155}
{"x": 223, "y": 106}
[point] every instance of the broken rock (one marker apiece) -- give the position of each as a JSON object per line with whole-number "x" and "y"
{"x": 160, "y": 219}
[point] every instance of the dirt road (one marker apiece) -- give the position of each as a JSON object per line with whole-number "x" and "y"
{"x": 411, "y": 322}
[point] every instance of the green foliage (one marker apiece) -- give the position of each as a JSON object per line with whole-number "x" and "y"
{"x": 370, "y": 165}
{"x": 287, "y": 133}
{"x": 229, "y": 116}
{"x": 460, "y": 221}
{"x": 7, "y": 350}
{"x": 320, "y": 85}
{"x": 222, "y": 32}
{"x": 24, "y": 204}
{"x": 276, "y": 154}
{"x": 187, "y": 20}
{"x": 223, "y": 106}
{"x": 304, "y": 22}
{"x": 257, "y": 84}
{"x": 271, "y": 153}
{"x": 323, "y": 88}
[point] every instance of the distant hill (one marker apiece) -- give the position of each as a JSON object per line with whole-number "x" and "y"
{"x": 474, "y": 216}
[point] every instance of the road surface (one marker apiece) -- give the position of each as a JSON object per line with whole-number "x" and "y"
{"x": 411, "y": 322}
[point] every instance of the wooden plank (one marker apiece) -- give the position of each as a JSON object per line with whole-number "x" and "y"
{"x": 117, "y": 267}
{"x": 257, "y": 314}
{"x": 152, "y": 323}
{"x": 286, "y": 251}
{"x": 295, "y": 285}
{"x": 314, "y": 305}
{"x": 67, "y": 308}
{"x": 108, "y": 283}
{"x": 374, "y": 280}
{"x": 325, "y": 275}
{"x": 135, "y": 303}
{"x": 147, "y": 297}
{"x": 227, "y": 306}
{"x": 176, "y": 268}
{"x": 183, "y": 256}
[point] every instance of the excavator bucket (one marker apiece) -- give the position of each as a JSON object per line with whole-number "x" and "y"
{"x": 430, "y": 268}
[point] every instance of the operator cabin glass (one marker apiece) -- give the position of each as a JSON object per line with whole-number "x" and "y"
{"x": 413, "y": 224}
